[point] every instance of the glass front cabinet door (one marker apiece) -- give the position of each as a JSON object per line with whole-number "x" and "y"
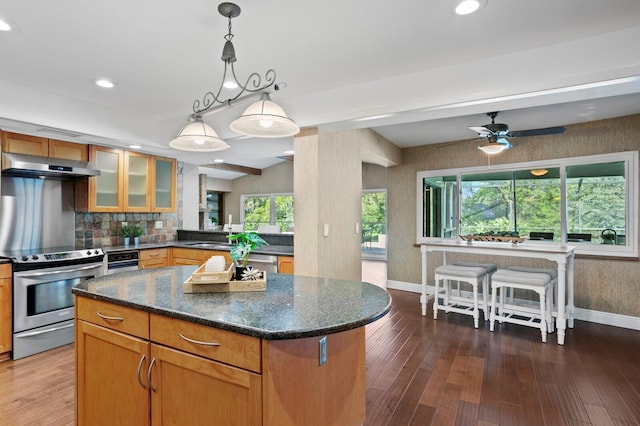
{"x": 164, "y": 185}
{"x": 136, "y": 182}
{"x": 105, "y": 191}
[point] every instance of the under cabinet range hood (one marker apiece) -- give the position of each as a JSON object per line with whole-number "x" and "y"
{"x": 45, "y": 167}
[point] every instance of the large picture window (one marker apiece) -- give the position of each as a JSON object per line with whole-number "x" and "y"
{"x": 586, "y": 201}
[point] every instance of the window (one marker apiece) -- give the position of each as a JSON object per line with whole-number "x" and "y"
{"x": 587, "y": 201}
{"x": 267, "y": 209}
{"x": 513, "y": 201}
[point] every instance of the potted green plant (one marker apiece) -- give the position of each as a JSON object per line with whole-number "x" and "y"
{"x": 136, "y": 232}
{"x": 246, "y": 242}
{"x": 127, "y": 233}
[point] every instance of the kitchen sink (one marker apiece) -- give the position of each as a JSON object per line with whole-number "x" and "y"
{"x": 211, "y": 245}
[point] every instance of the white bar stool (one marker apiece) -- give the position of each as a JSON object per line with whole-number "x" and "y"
{"x": 553, "y": 273}
{"x": 468, "y": 273}
{"x": 540, "y": 282}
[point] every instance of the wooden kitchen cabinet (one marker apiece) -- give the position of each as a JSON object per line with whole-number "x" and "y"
{"x": 125, "y": 379}
{"x": 163, "y": 184}
{"x": 110, "y": 372}
{"x": 102, "y": 193}
{"x": 285, "y": 265}
{"x": 154, "y": 258}
{"x": 128, "y": 182}
{"x": 185, "y": 256}
{"x": 43, "y": 147}
{"x": 5, "y": 310}
{"x": 137, "y": 185}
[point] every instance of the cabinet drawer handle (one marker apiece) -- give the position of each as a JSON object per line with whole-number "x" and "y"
{"x": 108, "y": 318}
{"x": 197, "y": 342}
{"x": 153, "y": 361}
{"x": 140, "y": 368}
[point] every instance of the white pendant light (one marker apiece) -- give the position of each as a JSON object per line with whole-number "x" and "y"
{"x": 264, "y": 119}
{"x": 198, "y": 136}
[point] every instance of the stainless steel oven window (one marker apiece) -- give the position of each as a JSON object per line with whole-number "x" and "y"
{"x": 51, "y": 296}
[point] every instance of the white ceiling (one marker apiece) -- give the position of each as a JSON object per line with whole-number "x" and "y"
{"x": 542, "y": 63}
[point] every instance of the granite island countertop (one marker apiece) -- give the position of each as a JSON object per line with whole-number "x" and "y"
{"x": 292, "y": 306}
{"x": 274, "y": 250}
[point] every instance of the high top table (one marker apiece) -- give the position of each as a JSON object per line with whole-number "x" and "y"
{"x": 562, "y": 254}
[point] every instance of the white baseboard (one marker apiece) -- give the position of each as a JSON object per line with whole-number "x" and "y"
{"x": 598, "y": 317}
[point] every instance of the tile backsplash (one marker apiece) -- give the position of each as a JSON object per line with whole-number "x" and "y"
{"x": 103, "y": 229}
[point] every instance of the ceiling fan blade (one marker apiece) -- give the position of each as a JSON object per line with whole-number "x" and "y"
{"x": 483, "y": 131}
{"x": 538, "y": 132}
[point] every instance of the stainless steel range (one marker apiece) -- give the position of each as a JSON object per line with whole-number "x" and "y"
{"x": 42, "y": 301}
{"x": 37, "y": 232}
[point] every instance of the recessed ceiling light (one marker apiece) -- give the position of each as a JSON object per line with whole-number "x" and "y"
{"x": 290, "y": 152}
{"x": 218, "y": 160}
{"x": 135, "y": 146}
{"x": 465, "y": 7}
{"x": 105, "y": 83}
{"x": 4, "y": 26}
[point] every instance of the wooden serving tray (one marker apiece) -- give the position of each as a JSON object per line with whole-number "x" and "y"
{"x": 231, "y": 286}
{"x": 201, "y": 277}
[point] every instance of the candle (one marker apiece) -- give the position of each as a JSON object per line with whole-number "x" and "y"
{"x": 230, "y": 221}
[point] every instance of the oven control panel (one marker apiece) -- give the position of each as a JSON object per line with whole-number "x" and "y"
{"x": 39, "y": 257}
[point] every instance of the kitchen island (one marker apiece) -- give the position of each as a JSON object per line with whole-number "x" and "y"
{"x": 146, "y": 352}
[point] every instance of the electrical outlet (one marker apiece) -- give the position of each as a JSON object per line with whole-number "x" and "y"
{"x": 322, "y": 352}
{"x": 325, "y": 230}
{"x": 158, "y": 224}
{"x": 124, "y": 223}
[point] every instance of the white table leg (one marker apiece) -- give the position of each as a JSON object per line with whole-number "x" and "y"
{"x": 423, "y": 296}
{"x": 561, "y": 321}
{"x": 570, "y": 302}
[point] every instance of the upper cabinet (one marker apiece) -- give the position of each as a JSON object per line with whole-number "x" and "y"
{"x": 102, "y": 193}
{"x": 163, "y": 177}
{"x": 136, "y": 182}
{"x": 128, "y": 182}
{"x": 43, "y": 147}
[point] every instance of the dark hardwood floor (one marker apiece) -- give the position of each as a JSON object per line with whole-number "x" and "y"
{"x": 425, "y": 372}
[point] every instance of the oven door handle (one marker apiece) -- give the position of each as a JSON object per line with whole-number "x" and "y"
{"x": 48, "y": 330}
{"x": 62, "y": 271}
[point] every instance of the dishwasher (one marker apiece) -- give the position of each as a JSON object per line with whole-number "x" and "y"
{"x": 263, "y": 262}
{"x": 122, "y": 261}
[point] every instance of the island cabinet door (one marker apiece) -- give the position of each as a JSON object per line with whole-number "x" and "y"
{"x": 189, "y": 390}
{"x": 111, "y": 377}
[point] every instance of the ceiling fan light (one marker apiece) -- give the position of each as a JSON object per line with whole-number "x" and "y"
{"x": 494, "y": 146}
{"x": 265, "y": 119}
{"x": 539, "y": 172}
{"x": 466, "y": 7}
{"x": 198, "y": 136}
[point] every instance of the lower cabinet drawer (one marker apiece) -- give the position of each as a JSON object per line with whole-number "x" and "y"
{"x": 114, "y": 317}
{"x": 231, "y": 348}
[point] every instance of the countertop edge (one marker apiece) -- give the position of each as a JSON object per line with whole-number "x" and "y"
{"x": 249, "y": 331}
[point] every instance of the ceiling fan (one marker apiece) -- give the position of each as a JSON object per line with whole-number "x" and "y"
{"x": 495, "y": 134}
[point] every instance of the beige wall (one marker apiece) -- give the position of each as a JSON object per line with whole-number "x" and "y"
{"x": 373, "y": 176}
{"x": 601, "y": 285}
